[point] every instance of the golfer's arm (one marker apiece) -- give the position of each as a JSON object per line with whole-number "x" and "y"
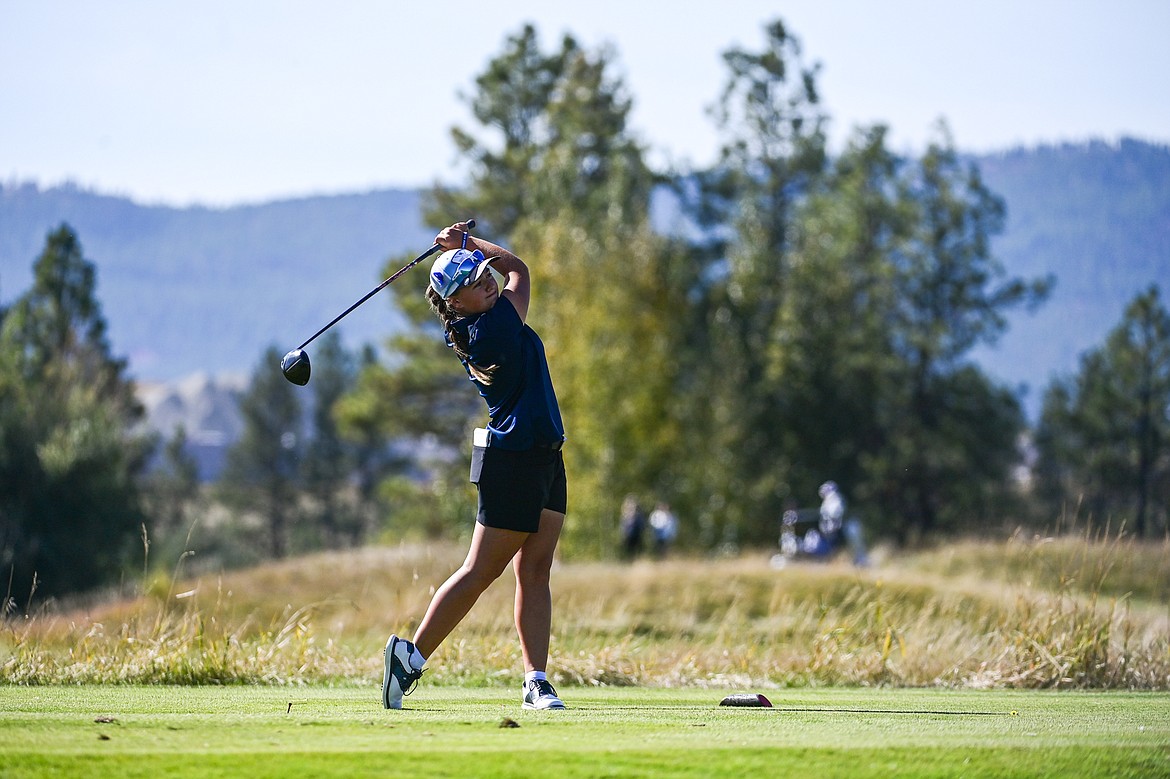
{"x": 517, "y": 285}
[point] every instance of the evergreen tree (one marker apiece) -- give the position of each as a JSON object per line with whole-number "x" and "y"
{"x": 950, "y": 295}
{"x": 1104, "y": 433}
{"x": 835, "y": 357}
{"x": 772, "y": 157}
{"x": 843, "y": 299}
{"x": 372, "y": 457}
{"x": 70, "y": 509}
{"x": 510, "y": 104}
{"x": 329, "y": 460}
{"x": 263, "y": 466}
{"x": 173, "y": 486}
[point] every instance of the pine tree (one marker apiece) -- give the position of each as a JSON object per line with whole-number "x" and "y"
{"x": 950, "y": 433}
{"x": 263, "y": 466}
{"x": 772, "y": 157}
{"x": 1104, "y": 436}
{"x": 70, "y": 511}
{"x": 329, "y": 460}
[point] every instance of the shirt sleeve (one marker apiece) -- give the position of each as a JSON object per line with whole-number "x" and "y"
{"x": 496, "y": 334}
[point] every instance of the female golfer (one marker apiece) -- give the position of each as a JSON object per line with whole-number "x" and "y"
{"x": 516, "y": 463}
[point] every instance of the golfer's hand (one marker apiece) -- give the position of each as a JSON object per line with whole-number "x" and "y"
{"x": 452, "y": 237}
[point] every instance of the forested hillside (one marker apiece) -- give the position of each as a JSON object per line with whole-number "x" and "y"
{"x": 1097, "y": 217}
{"x": 191, "y": 290}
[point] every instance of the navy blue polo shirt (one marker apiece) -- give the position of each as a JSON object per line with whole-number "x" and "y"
{"x": 520, "y": 399}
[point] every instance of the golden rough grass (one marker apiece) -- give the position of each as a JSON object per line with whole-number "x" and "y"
{"x": 913, "y": 621}
{"x": 1104, "y": 564}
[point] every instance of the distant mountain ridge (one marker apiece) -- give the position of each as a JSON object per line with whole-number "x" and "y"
{"x": 1097, "y": 216}
{"x": 199, "y": 290}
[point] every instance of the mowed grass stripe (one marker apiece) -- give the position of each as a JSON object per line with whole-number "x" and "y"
{"x": 713, "y": 764}
{"x": 233, "y": 731}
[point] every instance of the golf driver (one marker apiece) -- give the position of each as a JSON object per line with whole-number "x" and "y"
{"x": 295, "y": 365}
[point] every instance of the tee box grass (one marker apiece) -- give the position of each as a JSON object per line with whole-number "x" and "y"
{"x": 319, "y": 731}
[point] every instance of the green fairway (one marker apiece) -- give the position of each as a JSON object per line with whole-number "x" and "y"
{"x": 449, "y": 731}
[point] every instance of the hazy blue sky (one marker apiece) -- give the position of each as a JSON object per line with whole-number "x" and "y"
{"x": 227, "y": 101}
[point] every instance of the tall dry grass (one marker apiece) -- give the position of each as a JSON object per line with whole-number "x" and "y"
{"x": 1104, "y": 564}
{"x": 1025, "y": 613}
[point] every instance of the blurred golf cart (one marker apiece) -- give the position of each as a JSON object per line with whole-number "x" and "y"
{"x": 821, "y": 534}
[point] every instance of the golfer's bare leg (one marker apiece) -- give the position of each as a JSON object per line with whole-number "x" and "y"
{"x": 533, "y": 611}
{"x": 491, "y": 549}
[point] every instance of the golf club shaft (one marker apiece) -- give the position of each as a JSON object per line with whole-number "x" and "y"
{"x": 434, "y": 248}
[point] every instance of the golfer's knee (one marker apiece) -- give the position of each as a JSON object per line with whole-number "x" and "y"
{"x": 533, "y": 573}
{"x": 479, "y": 576}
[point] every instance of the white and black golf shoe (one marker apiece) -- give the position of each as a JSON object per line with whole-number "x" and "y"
{"x": 399, "y": 677}
{"x": 539, "y": 694}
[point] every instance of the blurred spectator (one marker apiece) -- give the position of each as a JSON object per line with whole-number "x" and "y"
{"x": 838, "y": 530}
{"x": 664, "y": 525}
{"x": 832, "y": 510}
{"x": 633, "y": 527}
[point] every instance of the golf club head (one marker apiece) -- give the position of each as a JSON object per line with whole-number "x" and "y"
{"x": 295, "y": 367}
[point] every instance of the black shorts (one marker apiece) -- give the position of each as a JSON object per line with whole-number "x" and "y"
{"x": 514, "y": 487}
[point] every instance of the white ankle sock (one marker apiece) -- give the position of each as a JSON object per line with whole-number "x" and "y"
{"x": 417, "y": 661}
{"x": 533, "y": 676}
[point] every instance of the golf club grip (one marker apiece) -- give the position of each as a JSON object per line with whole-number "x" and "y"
{"x": 434, "y": 248}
